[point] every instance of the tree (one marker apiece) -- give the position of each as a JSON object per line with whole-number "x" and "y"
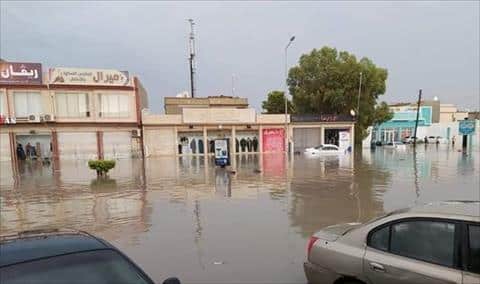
{"x": 326, "y": 82}
{"x": 275, "y": 103}
{"x": 382, "y": 113}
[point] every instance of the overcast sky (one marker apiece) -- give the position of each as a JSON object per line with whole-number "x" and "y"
{"x": 428, "y": 45}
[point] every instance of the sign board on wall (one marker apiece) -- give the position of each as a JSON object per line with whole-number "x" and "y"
{"x": 466, "y": 127}
{"x": 344, "y": 139}
{"x": 273, "y": 140}
{"x": 97, "y": 77}
{"x": 20, "y": 73}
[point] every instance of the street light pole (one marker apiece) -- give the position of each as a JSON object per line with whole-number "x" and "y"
{"x": 285, "y": 94}
{"x": 359, "y": 92}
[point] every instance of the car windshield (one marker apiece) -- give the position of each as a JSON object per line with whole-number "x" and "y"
{"x": 99, "y": 266}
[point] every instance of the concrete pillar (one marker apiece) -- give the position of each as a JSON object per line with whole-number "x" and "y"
{"x": 233, "y": 152}
{"x": 205, "y": 143}
{"x": 352, "y": 137}
{"x": 13, "y": 153}
{"x": 260, "y": 139}
{"x": 175, "y": 136}
{"x": 55, "y": 152}
{"x": 232, "y": 140}
{"x": 100, "y": 145}
{"x": 322, "y": 135}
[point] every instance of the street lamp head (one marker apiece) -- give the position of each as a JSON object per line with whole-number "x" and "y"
{"x": 292, "y": 38}
{"x": 352, "y": 112}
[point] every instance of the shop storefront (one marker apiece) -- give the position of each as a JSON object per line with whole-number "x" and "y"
{"x": 315, "y": 130}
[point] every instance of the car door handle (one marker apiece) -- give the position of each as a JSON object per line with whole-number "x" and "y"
{"x": 377, "y": 267}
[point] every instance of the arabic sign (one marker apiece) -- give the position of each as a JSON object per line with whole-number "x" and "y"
{"x": 466, "y": 127}
{"x": 20, "y": 73}
{"x": 344, "y": 139}
{"x": 321, "y": 118}
{"x": 75, "y": 76}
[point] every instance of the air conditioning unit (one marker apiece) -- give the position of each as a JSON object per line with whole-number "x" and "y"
{"x": 33, "y": 118}
{"x": 11, "y": 120}
{"x": 48, "y": 117}
{"x": 22, "y": 119}
{"x": 136, "y": 133}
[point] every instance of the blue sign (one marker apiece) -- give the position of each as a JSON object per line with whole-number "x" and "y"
{"x": 466, "y": 127}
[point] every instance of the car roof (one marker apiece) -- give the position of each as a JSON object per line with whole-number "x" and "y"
{"x": 470, "y": 208}
{"x": 329, "y": 145}
{"x": 32, "y": 245}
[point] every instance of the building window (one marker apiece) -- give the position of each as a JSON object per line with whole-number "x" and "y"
{"x": 430, "y": 241}
{"x": 72, "y": 105}
{"x": 474, "y": 245}
{"x": 27, "y": 103}
{"x": 114, "y": 105}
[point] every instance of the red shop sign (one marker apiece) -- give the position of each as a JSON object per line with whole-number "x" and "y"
{"x": 273, "y": 140}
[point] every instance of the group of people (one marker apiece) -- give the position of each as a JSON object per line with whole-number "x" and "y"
{"x": 30, "y": 152}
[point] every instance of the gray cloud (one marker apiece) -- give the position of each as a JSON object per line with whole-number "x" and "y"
{"x": 428, "y": 45}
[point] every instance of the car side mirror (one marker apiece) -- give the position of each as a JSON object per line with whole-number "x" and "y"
{"x": 171, "y": 280}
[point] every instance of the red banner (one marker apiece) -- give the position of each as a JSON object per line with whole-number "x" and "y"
{"x": 273, "y": 140}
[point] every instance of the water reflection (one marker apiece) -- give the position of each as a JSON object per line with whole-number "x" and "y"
{"x": 184, "y": 217}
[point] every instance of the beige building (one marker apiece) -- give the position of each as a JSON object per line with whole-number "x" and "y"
{"x": 69, "y": 113}
{"x": 440, "y": 113}
{"x": 193, "y": 131}
{"x": 450, "y": 113}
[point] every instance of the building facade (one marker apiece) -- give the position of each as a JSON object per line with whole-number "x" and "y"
{"x": 403, "y": 123}
{"x": 194, "y": 130}
{"x": 69, "y": 113}
{"x": 435, "y": 119}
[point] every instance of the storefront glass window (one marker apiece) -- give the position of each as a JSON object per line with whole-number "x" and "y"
{"x": 27, "y": 103}
{"x": 71, "y": 104}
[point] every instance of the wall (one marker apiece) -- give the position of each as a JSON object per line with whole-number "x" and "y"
{"x": 159, "y": 141}
{"x": 161, "y": 119}
{"x": 218, "y": 116}
{"x": 4, "y": 147}
{"x": 272, "y": 118}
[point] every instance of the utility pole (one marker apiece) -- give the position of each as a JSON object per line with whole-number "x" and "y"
{"x": 359, "y": 92}
{"x": 233, "y": 85}
{"x": 191, "y": 59}
{"x": 416, "y": 121}
{"x": 285, "y": 94}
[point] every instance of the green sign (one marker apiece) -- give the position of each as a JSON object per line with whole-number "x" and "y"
{"x": 466, "y": 127}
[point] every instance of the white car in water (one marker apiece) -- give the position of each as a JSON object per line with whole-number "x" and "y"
{"x": 325, "y": 149}
{"x": 395, "y": 145}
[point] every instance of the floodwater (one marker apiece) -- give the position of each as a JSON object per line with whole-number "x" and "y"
{"x": 180, "y": 217}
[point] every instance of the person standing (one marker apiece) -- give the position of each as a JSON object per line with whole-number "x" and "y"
{"x": 20, "y": 152}
{"x": 453, "y": 141}
{"x": 28, "y": 150}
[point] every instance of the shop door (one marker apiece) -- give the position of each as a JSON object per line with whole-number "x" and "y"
{"x": 306, "y": 137}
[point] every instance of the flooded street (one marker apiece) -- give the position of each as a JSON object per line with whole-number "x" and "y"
{"x": 184, "y": 217}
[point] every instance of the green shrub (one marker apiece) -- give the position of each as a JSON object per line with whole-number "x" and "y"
{"x": 101, "y": 166}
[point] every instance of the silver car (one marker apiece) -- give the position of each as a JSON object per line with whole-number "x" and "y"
{"x": 432, "y": 243}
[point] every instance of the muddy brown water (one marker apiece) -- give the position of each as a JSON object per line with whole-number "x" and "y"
{"x": 184, "y": 217}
